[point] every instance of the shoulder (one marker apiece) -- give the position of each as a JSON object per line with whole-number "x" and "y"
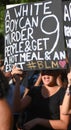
{"x": 6, "y": 117}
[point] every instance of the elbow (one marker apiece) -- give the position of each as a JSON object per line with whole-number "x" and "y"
{"x": 65, "y": 126}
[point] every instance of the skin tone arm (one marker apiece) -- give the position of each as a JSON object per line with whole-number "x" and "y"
{"x": 66, "y": 109}
{"x": 37, "y": 83}
{"x": 6, "y": 117}
{"x": 61, "y": 124}
{"x": 19, "y": 103}
{"x": 26, "y": 91}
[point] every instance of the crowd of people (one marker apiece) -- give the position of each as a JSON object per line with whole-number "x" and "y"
{"x": 46, "y": 104}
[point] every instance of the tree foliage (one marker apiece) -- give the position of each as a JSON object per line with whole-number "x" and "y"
{"x": 3, "y": 4}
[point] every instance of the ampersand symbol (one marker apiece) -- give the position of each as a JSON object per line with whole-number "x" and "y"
{"x": 27, "y": 46}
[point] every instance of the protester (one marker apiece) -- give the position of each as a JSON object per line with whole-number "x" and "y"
{"x": 6, "y": 117}
{"x": 10, "y": 95}
{"x": 43, "y": 103}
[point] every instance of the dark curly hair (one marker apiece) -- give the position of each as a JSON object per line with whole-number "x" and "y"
{"x": 4, "y": 86}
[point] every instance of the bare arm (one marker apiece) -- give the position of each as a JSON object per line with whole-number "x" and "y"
{"x": 6, "y": 117}
{"x": 61, "y": 124}
{"x": 26, "y": 91}
{"x": 66, "y": 107}
{"x": 38, "y": 80}
{"x": 19, "y": 103}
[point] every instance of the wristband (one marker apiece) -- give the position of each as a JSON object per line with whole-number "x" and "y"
{"x": 68, "y": 90}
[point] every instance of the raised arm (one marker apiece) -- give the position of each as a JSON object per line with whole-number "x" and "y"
{"x": 61, "y": 124}
{"x": 37, "y": 83}
{"x": 19, "y": 103}
{"x": 66, "y": 107}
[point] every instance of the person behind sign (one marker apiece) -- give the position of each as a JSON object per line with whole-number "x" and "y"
{"x": 9, "y": 96}
{"x": 6, "y": 117}
{"x": 38, "y": 81}
{"x": 43, "y": 103}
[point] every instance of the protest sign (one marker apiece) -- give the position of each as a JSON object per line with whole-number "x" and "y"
{"x": 34, "y": 36}
{"x": 67, "y": 27}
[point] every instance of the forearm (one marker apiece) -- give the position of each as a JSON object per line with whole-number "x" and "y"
{"x": 26, "y": 91}
{"x": 16, "y": 101}
{"x": 66, "y": 106}
{"x": 20, "y": 103}
{"x": 55, "y": 124}
{"x": 38, "y": 81}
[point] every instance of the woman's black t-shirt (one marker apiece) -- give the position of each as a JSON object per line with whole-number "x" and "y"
{"x": 47, "y": 108}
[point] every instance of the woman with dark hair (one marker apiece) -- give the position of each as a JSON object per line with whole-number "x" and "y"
{"x": 43, "y": 103}
{"x": 6, "y": 118}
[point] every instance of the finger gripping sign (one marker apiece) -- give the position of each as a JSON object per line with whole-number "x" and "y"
{"x": 34, "y": 36}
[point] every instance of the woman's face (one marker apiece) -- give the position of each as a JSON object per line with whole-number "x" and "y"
{"x": 49, "y": 78}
